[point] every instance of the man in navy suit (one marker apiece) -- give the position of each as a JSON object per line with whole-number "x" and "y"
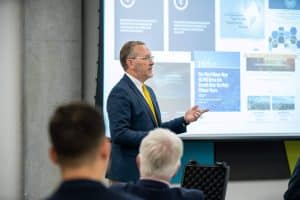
{"x": 293, "y": 191}
{"x": 79, "y": 147}
{"x": 133, "y": 111}
{"x": 158, "y": 161}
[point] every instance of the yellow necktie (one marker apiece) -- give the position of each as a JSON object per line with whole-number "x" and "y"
{"x": 149, "y": 101}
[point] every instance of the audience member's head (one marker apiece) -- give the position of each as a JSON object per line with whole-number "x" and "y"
{"x": 77, "y": 135}
{"x": 159, "y": 154}
{"x": 158, "y": 161}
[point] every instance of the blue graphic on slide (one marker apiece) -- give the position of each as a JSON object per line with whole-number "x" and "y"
{"x": 139, "y": 20}
{"x": 242, "y": 19}
{"x": 217, "y": 81}
{"x": 284, "y": 4}
{"x": 191, "y": 25}
{"x": 284, "y": 38}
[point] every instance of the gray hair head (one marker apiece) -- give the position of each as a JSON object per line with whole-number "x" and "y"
{"x": 160, "y": 153}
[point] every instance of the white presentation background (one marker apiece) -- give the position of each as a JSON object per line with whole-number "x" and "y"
{"x": 240, "y": 59}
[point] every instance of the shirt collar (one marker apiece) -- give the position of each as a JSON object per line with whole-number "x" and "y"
{"x": 136, "y": 82}
{"x": 155, "y": 179}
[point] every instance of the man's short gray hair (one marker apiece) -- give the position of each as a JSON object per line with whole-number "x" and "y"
{"x": 127, "y": 50}
{"x": 160, "y": 153}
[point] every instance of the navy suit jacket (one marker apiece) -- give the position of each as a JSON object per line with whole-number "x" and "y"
{"x": 155, "y": 190}
{"x": 130, "y": 120}
{"x": 293, "y": 191}
{"x": 83, "y": 189}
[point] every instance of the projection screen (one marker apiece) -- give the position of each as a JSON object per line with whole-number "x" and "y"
{"x": 238, "y": 58}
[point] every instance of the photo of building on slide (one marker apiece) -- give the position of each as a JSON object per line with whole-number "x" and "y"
{"x": 271, "y": 62}
{"x": 283, "y": 103}
{"x": 263, "y": 103}
{"x": 259, "y": 103}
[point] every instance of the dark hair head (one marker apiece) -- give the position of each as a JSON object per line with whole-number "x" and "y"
{"x": 75, "y": 131}
{"x": 127, "y": 51}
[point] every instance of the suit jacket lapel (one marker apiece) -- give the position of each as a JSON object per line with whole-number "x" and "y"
{"x": 141, "y": 98}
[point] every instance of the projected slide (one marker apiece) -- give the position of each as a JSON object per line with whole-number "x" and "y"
{"x": 246, "y": 18}
{"x": 238, "y": 58}
{"x": 217, "y": 81}
{"x": 171, "y": 83}
{"x": 191, "y": 25}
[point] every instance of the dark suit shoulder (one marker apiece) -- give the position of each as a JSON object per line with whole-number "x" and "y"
{"x": 124, "y": 82}
{"x": 119, "y": 88}
{"x": 123, "y": 195}
{"x": 188, "y": 193}
{"x": 293, "y": 191}
{"x": 122, "y": 89}
{"x": 159, "y": 193}
{"x": 86, "y": 189}
{"x": 119, "y": 187}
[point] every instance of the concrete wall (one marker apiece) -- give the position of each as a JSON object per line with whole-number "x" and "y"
{"x": 52, "y": 75}
{"x": 258, "y": 190}
{"x": 11, "y": 27}
{"x": 90, "y": 49}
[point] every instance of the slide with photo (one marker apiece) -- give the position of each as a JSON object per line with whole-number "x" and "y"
{"x": 238, "y": 58}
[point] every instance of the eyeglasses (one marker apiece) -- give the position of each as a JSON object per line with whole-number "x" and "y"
{"x": 145, "y": 58}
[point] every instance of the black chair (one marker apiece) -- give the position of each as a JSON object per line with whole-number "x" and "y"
{"x": 211, "y": 179}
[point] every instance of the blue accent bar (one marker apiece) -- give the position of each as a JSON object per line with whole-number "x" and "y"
{"x": 212, "y": 59}
{"x": 202, "y": 152}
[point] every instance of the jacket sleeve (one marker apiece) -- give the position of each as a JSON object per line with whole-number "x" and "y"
{"x": 119, "y": 111}
{"x": 176, "y": 125}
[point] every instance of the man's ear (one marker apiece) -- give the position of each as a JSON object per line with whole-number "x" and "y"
{"x": 129, "y": 62}
{"x": 105, "y": 149}
{"x": 138, "y": 161}
{"x": 53, "y": 155}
